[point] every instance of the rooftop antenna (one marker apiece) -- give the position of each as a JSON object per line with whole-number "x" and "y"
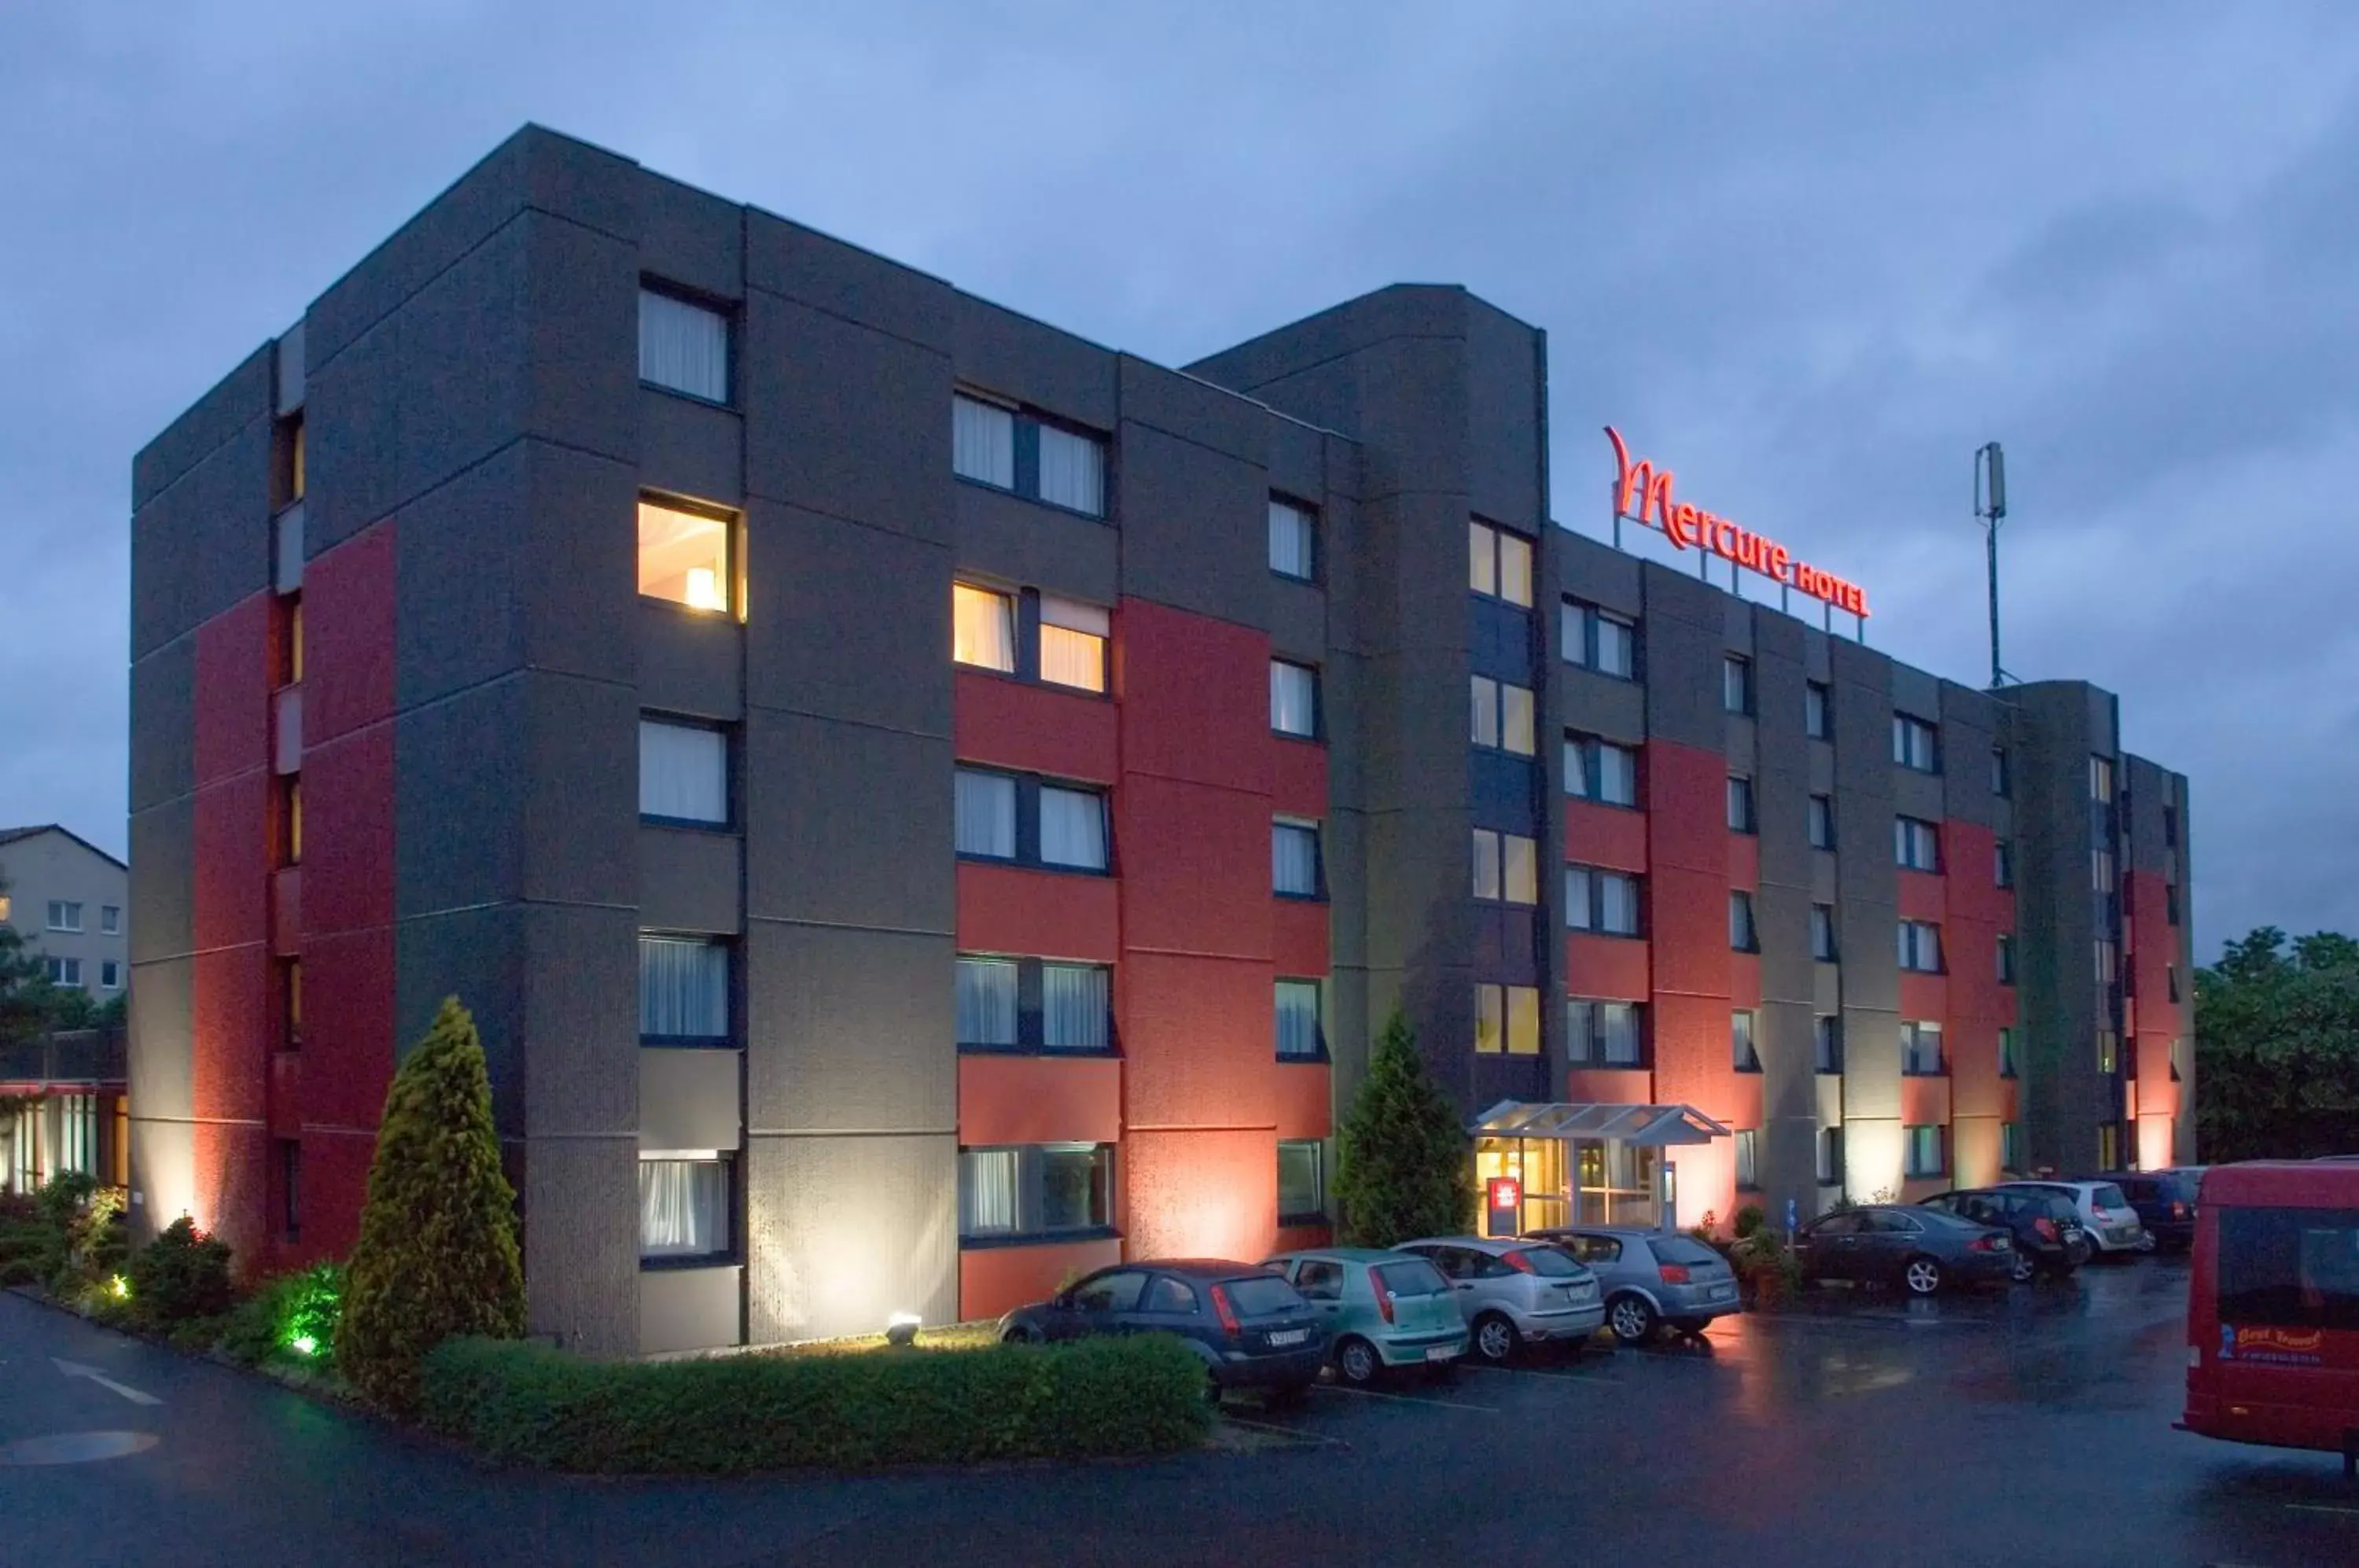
{"x": 1990, "y": 505}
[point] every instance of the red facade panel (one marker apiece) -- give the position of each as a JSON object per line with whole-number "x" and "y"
{"x": 1198, "y": 1039}
{"x": 1195, "y": 865}
{"x": 347, "y": 1031}
{"x": 232, "y": 1183}
{"x": 1744, "y": 980}
{"x": 233, "y": 691}
{"x": 229, "y": 1034}
{"x": 348, "y": 831}
{"x": 993, "y": 1279}
{"x": 1304, "y": 1099}
{"x": 1924, "y": 1102}
{"x": 1925, "y": 997}
{"x": 1195, "y": 695}
{"x": 1297, "y": 778}
{"x": 335, "y": 1184}
{"x": 1743, "y": 860}
{"x": 1034, "y": 728}
{"x": 1923, "y": 894}
{"x": 1611, "y": 968}
{"x": 1202, "y": 1194}
{"x": 232, "y": 863}
{"x": 1039, "y": 1099}
{"x": 1609, "y": 1086}
{"x": 1611, "y": 836}
{"x": 1042, "y": 914}
{"x": 1299, "y": 938}
{"x": 348, "y": 636}
{"x": 1291, "y": 1238}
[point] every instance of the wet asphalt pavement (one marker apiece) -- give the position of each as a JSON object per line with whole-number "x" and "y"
{"x": 2028, "y": 1427}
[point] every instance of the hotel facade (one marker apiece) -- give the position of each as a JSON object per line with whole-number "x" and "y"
{"x": 920, "y": 804}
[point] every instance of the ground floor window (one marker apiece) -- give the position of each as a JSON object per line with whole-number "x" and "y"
{"x": 1041, "y": 1188}
{"x": 77, "y": 1135}
{"x": 1748, "y": 1157}
{"x": 2010, "y": 1146}
{"x": 1830, "y": 1162}
{"x": 1301, "y": 1181}
{"x": 684, "y": 1205}
{"x": 1927, "y": 1153}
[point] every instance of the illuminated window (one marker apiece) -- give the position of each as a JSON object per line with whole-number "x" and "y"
{"x": 2109, "y": 1146}
{"x": 685, "y": 1207}
{"x": 2109, "y": 1050}
{"x": 1504, "y": 715}
{"x": 1921, "y": 1050}
{"x": 1915, "y": 744}
{"x": 290, "y": 660}
{"x": 1604, "y": 1034}
{"x": 1920, "y": 946}
{"x": 683, "y": 347}
{"x": 288, "y": 462}
{"x": 1499, "y": 564}
{"x": 7, "y": 907}
{"x": 290, "y": 820}
{"x": 983, "y": 627}
{"x": 1293, "y": 537}
{"x": 1293, "y": 698}
{"x": 1301, "y": 1189}
{"x": 1506, "y": 867}
{"x": 684, "y": 555}
{"x": 1506, "y": 1019}
{"x": 1743, "y": 1055}
{"x": 684, "y": 988}
{"x": 1073, "y": 644}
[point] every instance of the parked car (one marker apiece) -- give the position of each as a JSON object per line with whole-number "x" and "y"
{"x": 2165, "y": 1201}
{"x": 2045, "y": 1226}
{"x": 1515, "y": 1293}
{"x": 1251, "y": 1328}
{"x": 2105, "y": 1213}
{"x": 1919, "y": 1250}
{"x": 1381, "y": 1310}
{"x": 1650, "y": 1278}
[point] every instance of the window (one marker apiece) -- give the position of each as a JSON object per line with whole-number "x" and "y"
{"x": 1822, "y": 822}
{"x": 1604, "y": 1034}
{"x": 62, "y": 971}
{"x": 1503, "y": 716}
{"x": 2007, "y": 1066}
{"x": 2006, "y": 959}
{"x": 1926, "y": 1149}
{"x": 2171, "y": 827}
{"x": 1741, "y": 934}
{"x": 1298, "y": 1032}
{"x": 1822, "y": 932}
{"x": 2010, "y": 1146}
{"x": 1499, "y": 564}
{"x": 2108, "y": 961}
{"x": 1826, "y": 1043}
{"x": 2169, "y": 903}
{"x": 64, "y": 916}
{"x": 684, "y": 554}
{"x": 1915, "y": 845}
{"x": 983, "y": 441}
{"x": 1076, "y": 1008}
{"x": 986, "y": 814}
{"x": 1006, "y": 1004}
{"x": 983, "y": 627}
{"x": 2003, "y": 863}
{"x": 1914, "y": 744}
{"x": 1301, "y": 1187}
{"x": 1034, "y": 1190}
{"x": 1817, "y": 722}
{"x": 684, "y": 1207}
{"x": 290, "y": 828}
{"x": 1748, "y": 1158}
{"x": 2169, "y": 980}
{"x": 1506, "y": 867}
{"x": 290, "y": 1003}
{"x": 1599, "y": 770}
{"x": 2101, "y": 870}
{"x": 1921, "y": 1050}
{"x": 1072, "y": 828}
{"x": 2109, "y": 1052}
{"x": 287, "y": 462}
{"x": 1506, "y": 1017}
{"x": 1601, "y": 900}
{"x": 683, "y": 347}
{"x": 1073, "y": 644}
{"x": 1741, "y": 817}
{"x": 1072, "y": 470}
{"x": 1292, "y": 541}
{"x": 995, "y": 445}
{"x": 988, "y": 990}
{"x": 684, "y": 772}
{"x": 1294, "y": 858}
{"x": 684, "y": 988}
{"x": 1736, "y": 683}
{"x": 1598, "y": 639}
{"x": 7, "y": 907}
{"x": 1920, "y": 946}
{"x": 110, "y": 974}
{"x": 1831, "y": 1160}
{"x": 2101, "y": 780}
{"x": 1293, "y": 698}
{"x": 1742, "y": 1053}
{"x": 110, "y": 920}
{"x": 2002, "y": 777}
{"x": 2109, "y": 1146}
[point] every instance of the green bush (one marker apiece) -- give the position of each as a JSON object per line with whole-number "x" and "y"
{"x": 293, "y": 1316}
{"x": 1402, "y": 1169}
{"x": 1749, "y": 1219}
{"x": 533, "y": 1404}
{"x": 437, "y": 1256}
{"x": 179, "y": 1278}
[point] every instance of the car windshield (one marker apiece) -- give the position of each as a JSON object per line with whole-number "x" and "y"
{"x": 1414, "y": 1278}
{"x": 2106, "y": 1195}
{"x": 1549, "y": 1261}
{"x": 1260, "y": 1295}
{"x": 1681, "y": 1250}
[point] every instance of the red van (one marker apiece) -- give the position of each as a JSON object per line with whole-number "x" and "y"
{"x": 2273, "y": 1307}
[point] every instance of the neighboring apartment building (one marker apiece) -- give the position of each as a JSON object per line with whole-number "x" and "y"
{"x": 65, "y": 897}
{"x": 967, "y": 830}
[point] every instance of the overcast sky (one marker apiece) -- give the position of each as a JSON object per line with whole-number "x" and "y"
{"x": 1812, "y": 255}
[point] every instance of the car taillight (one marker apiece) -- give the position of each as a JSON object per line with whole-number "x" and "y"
{"x": 1384, "y": 1297}
{"x": 1228, "y": 1313}
{"x": 1983, "y": 1244}
{"x": 2178, "y": 1209}
{"x": 1673, "y": 1273}
{"x": 2045, "y": 1226}
{"x": 1519, "y": 1262}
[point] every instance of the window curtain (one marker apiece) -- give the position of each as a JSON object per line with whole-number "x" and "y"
{"x": 1521, "y": 869}
{"x": 987, "y": 1192}
{"x": 1515, "y": 719}
{"x": 1618, "y": 775}
{"x": 982, "y": 442}
{"x": 1294, "y": 859}
{"x": 683, "y": 987}
{"x": 1289, "y": 540}
{"x": 1616, "y": 647}
{"x": 683, "y": 346}
{"x": 1514, "y": 568}
{"x": 983, "y": 629}
{"x": 1297, "y": 1017}
{"x": 1072, "y": 470}
{"x": 684, "y": 772}
{"x": 1619, "y": 896}
{"x": 683, "y": 1207}
{"x": 1300, "y": 1191}
{"x": 1485, "y": 696}
{"x": 1073, "y": 1007}
{"x": 986, "y": 1001}
{"x": 1072, "y": 828}
{"x": 1619, "y": 1021}
{"x": 986, "y": 814}
{"x": 1293, "y": 698}
{"x": 1073, "y": 643}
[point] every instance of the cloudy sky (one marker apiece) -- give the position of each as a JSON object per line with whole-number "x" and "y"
{"x": 1813, "y": 253}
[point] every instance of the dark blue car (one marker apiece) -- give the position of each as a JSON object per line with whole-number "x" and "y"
{"x": 2165, "y": 1201}
{"x": 1248, "y": 1326}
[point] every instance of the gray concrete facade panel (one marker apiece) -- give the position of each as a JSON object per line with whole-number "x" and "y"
{"x": 235, "y": 402}
{"x": 1595, "y": 571}
{"x": 163, "y": 880}
{"x": 689, "y": 1099}
{"x": 690, "y": 239}
{"x": 581, "y": 1043}
{"x": 688, "y": 448}
{"x": 580, "y": 1245}
{"x": 691, "y": 1309}
{"x": 1506, "y": 409}
{"x": 1017, "y": 543}
{"x": 691, "y": 880}
{"x": 690, "y": 663}
{"x": 163, "y": 724}
{"x": 477, "y": 955}
{"x": 581, "y": 353}
{"x": 1298, "y": 621}
{"x": 848, "y": 825}
{"x": 791, "y": 262}
{"x": 1296, "y": 459}
{"x": 844, "y": 1232}
{"x": 204, "y": 543}
{"x": 1195, "y": 526}
{"x": 1194, "y": 410}
{"x": 847, "y": 622}
{"x": 1602, "y": 705}
{"x": 161, "y": 1062}
{"x": 996, "y": 350}
{"x": 580, "y": 839}
{"x": 458, "y": 765}
{"x": 1918, "y": 795}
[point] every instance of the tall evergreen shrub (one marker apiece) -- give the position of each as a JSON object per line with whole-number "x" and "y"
{"x": 1404, "y": 1171}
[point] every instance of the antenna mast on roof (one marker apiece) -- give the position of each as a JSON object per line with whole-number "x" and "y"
{"x": 1990, "y": 505}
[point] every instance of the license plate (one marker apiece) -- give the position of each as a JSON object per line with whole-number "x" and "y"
{"x": 1723, "y": 1291}
{"x": 1439, "y": 1353}
{"x": 1290, "y": 1336}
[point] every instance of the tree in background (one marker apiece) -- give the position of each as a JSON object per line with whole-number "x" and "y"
{"x": 2277, "y": 1048}
{"x": 437, "y": 1255}
{"x": 1401, "y": 1152}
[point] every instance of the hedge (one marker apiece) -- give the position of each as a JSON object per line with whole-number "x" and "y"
{"x": 530, "y": 1403}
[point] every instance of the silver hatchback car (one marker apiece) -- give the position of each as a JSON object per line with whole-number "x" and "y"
{"x": 1651, "y": 1278}
{"x": 1516, "y": 1293}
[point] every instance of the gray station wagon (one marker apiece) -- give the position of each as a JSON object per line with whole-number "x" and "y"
{"x": 1650, "y": 1278}
{"x": 1516, "y": 1293}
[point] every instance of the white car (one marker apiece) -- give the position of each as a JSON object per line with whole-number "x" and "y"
{"x": 2105, "y": 1214}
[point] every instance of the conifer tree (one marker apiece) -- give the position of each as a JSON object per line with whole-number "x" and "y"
{"x": 1402, "y": 1156}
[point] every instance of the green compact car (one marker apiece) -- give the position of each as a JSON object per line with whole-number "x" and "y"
{"x": 1382, "y": 1309}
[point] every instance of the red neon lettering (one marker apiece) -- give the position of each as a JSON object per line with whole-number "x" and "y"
{"x": 1777, "y": 563}
{"x": 1644, "y": 493}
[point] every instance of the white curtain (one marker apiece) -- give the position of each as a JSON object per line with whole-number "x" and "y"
{"x": 683, "y": 1207}
{"x": 1289, "y": 540}
{"x": 1297, "y": 1017}
{"x": 986, "y": 1001}
{"x": 1619, "y": 1022}
{"x": 1576, "y": 769}
{"x": 1072, "y": 470}
{"x": 1293, "y": 698}
{"x": 1073, "y": 643}
{"x": 1619, "y": 897}
{"x": 986, "y": 814}
{"x": 1487, "y": 864}
{"x": 683, "y": 987}
{"x": 1521, "y": 869}
{"x": 1616, "y": 647}
{"x": 1072, "y": 828}
{"x": 986, "y": 1192}
{"x": 1073, "y": 1007}
{"x": 683, "y": 346}
{"x": 983, "y": 629}
{"x": 1485, "y": 702}
{"x": 1618, "y": 775}
{"x": 684, "y": 772}
{"x": 982, "y": 442}
{"x": 1294, "y": 858}
{"x": 1514, "y": 568}
{"x": 1516, "y": 730}
{"x": 1577, "y": 907}
{"x": 1300, "y": 1191}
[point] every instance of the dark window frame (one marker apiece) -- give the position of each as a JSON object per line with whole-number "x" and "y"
{"x": 732, "y": 331}
{"x": 1030, "y": 421}
{"x": 1031, "y": 1171}
{"x": 1586, "y": 1048}
{"x": 1578, "y": 617}
{"x": 1027, "y": 822}
{"x": 1588, "y": 747}
{"x": 1031, "y": 1018}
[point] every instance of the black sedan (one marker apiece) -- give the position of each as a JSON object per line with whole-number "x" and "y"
{"x": 1919, "y": 1250}
{"x": 2045, "y": 1226}
{"x": 1247, "y": 1326}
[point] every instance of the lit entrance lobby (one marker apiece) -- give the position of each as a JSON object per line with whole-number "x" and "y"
{"x": 1577, "y": 1164}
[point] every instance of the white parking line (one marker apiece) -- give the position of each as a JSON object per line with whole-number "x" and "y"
{"x": 2322, "y": 1508}
{"x": 1409, "y": 1399}
{"x": 1295, "y": 1432}
{"x": 1563, "y": 1374}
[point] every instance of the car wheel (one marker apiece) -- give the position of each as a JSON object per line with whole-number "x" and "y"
{"x": 1922, "y": 1275}
{"x": 1495, "y": 1339}
{"x": 2080, "y": 1252}
{"x": 1021, "y": 1333}
{"x": 1357, "y": 1363}
{"x": 1631, "y": 1319}
{"x": 2025, "y": 1266}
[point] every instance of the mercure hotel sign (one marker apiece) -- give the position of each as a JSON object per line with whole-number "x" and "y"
{"x": 1643, "y": 492}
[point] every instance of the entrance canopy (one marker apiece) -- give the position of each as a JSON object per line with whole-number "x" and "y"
{"x": 1634, "y": 1127}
